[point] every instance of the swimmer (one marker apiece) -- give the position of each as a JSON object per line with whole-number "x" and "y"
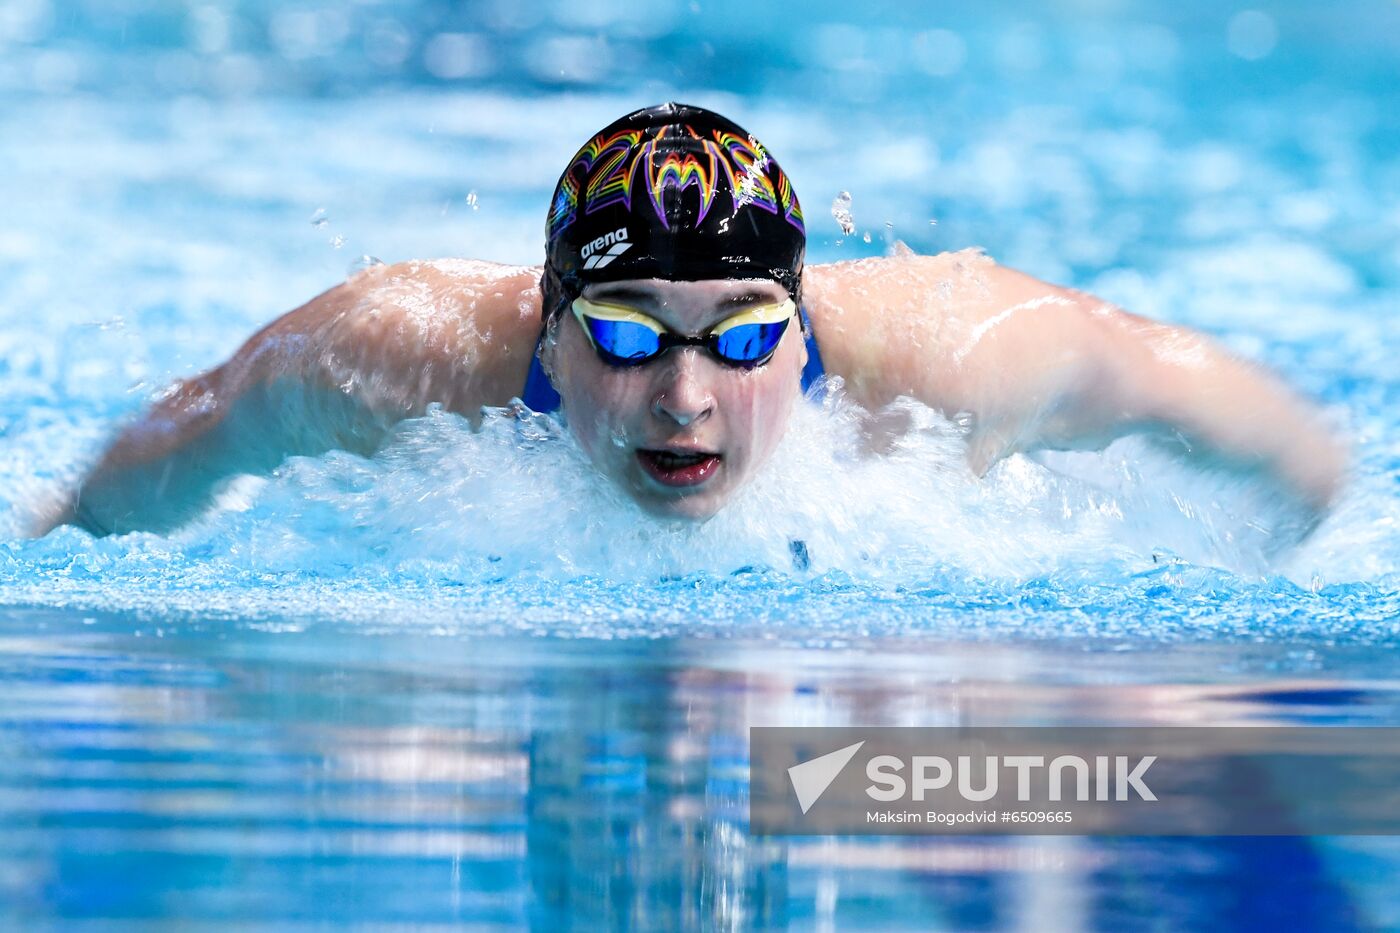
{"x": 674, "y": 323}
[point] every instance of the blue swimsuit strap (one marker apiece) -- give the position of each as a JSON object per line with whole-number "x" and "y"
{"x": 539, "y": 394}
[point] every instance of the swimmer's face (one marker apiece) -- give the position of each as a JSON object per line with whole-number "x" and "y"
{"x": 682, "y": 432}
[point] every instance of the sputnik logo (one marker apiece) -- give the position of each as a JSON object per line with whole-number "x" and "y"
{"x": 811, "y": 778}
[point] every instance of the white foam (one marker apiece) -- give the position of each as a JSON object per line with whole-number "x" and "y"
{"x": 519, "y": 498}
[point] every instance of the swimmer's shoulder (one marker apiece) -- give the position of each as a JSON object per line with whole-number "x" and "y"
{"x": 962, "y": 334}
{"x": 463, "y": 329}
{"x": 887, "y": 323}
{"x": 458, "y": 303}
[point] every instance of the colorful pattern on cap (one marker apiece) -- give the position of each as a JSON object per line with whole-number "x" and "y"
{"x": 666, "y": 168}
{"x": 605, "y": 164}
{"x": 671, "y": 192}
{"x": 605, "y": 169}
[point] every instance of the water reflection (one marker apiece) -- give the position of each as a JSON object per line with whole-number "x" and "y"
{"x": 217, "y": 774}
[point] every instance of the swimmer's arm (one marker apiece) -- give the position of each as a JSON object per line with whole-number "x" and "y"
{"x": 1049, "y": 367}
{"x": 336, "y": 373}
{"x": 1030, "y": 365}
{"x": 1193, "y": 395}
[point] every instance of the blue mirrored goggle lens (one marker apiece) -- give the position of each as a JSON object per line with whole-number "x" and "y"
{"x": 749, "y": 343}
{"x": 624, "y": 340}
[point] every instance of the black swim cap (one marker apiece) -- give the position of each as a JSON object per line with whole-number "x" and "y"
{"x": 671, "y": 192}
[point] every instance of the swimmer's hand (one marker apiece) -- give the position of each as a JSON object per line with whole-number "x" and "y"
{"x": 1035, "y": 366}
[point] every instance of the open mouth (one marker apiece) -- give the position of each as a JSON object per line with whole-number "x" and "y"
{"x": 679, "y": 468}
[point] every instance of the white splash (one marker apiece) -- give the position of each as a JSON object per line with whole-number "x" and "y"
{"x": 519, "y": 497}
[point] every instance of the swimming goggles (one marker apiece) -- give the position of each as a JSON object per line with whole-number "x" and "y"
{"x": 623, "y": 336}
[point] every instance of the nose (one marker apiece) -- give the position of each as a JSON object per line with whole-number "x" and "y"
{"x": 682, "y": 395}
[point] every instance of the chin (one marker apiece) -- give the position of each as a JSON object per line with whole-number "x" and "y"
{"x": 697, "y": 507}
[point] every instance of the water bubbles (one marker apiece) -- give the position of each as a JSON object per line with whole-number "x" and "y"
{"x": 321, "y": 222}
{"x": 531, "y": 427}
{"x": 472, "y": 200}
{"x": 365, "y": 261}
{"x": 866, "y": 238}
{"x": 841, "y": 211}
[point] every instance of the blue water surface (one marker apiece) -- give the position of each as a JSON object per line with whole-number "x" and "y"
{"x": 462, "y": 683}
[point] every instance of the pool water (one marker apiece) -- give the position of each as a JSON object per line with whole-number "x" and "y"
{"x": 462, "y": 683}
